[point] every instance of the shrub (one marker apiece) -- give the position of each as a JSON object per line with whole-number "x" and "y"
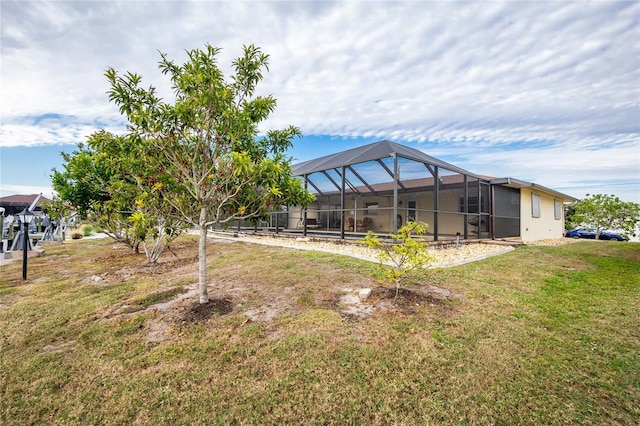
{"x": 397, "y": 260}
{"x": 87, "y": 230}
{"x": 76, "y": 235}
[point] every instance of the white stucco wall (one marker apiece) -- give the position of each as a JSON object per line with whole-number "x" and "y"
{"x": 539, "y": 228}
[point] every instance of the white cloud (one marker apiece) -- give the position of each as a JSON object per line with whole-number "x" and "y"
{"x": 497, "y": 82}
{"x": 25, "y": 189}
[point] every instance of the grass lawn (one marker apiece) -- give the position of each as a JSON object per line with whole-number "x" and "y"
{"x": 540, "y": 335}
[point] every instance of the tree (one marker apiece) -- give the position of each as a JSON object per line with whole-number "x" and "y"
{"x": 83, "y": 181}
{"x": 56, "y": 209}
{"x": 151, "y": 219}
{"x": 96, "y": 190}
{"x": 569, "y": 221}
{"x": 399, "y": 259}
{"x": 114, "y": 182}
{"x": 220, "y": 169}
{"x": 603, "y": 211}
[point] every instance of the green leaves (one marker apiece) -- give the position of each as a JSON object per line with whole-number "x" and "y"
{"x": 248, "y": 70}
{"x": 83, "y": 181}
{"x": 198, "y": 157}
{"x": 399, "y": 259}
{"x": 604, "y": 211}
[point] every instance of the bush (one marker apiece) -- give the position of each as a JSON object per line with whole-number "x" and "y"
{"x": 87, "y": 230}
{"x": 397, "y": 260}
{"x": 76, "y": 236}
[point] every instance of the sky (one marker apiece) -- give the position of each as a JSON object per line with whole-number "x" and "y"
{"x": 546, "y": 92}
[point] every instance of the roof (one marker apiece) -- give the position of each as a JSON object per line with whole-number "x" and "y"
{"x": 371, "y": 152}
{"x": 516, "y": 183}
{"x": 408, "y": 185}
{"x": 385, "y": 149}
{"x": 21, "y": 200}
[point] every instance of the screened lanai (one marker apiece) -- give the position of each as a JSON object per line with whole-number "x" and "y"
{"x": 380, "y": 186}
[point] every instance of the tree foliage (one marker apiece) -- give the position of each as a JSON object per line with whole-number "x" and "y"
{"x": 569, "y": 221}
{"x": 151, "y": 219}
{"x": 96, "y": 190}
{"x": 83, "y": 181}
{"x": 603, "y": 211}
{"x": 57, "y": 209}
{"x": 114, "y": 182}
{"x": 208, "y": 138}
{"x": 396, "y": 260}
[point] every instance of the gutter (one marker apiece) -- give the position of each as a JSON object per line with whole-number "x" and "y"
{"x": 516, "y": 183}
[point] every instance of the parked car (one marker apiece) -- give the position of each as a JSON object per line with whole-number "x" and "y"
{"x": 609, "y": 235}
{"x": 583, "y": 232}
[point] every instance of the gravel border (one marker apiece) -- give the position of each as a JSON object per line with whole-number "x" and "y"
{"x": 442, "y": 258}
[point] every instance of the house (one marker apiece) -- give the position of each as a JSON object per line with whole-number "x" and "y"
{"x": 381, "y": 186}
{"x": 14, "y": 204}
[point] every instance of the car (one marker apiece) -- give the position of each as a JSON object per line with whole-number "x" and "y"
{"x": 584, "y": 232}
{"x": 581, "y": 232}
{"x": 609, "y": 235}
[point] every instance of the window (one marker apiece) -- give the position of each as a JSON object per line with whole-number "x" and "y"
{"x": 411, "y": 211}
{"x": 372, "y": 209}
{"x": 535, "y": 205}
{"x": 557, "y": 209}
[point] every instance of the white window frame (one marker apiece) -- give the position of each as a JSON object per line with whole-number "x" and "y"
{"x": 557, "y": 210}
{"x": 371, "y": 209}
{"x": 536, "y": 210}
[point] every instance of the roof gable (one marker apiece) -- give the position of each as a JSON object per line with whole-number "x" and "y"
{"x": 21, "y": 199}
{"x": 12, "y": 204}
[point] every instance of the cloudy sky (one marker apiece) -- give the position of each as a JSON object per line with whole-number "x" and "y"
{"x": 547, "y": 92}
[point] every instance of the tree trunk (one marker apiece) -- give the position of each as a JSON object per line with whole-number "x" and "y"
{"x": 202, "y": 257}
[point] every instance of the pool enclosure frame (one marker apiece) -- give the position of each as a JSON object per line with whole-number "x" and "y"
{"x": 378, "y": 187}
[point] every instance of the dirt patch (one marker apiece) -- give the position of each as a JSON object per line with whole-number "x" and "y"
{"x": 164, "y": 267}
{"x": 58, "y": 347}
{"x": 352, "y": 305}
{"x": 199, "y": 313}
{"x": 263, "y": 313}
{"x": 404, "y": 300}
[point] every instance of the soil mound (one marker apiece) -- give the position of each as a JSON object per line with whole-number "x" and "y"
{"x": 201, "y": 312}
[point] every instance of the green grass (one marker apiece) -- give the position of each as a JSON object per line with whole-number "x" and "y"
{"x": 544, "y": 335}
